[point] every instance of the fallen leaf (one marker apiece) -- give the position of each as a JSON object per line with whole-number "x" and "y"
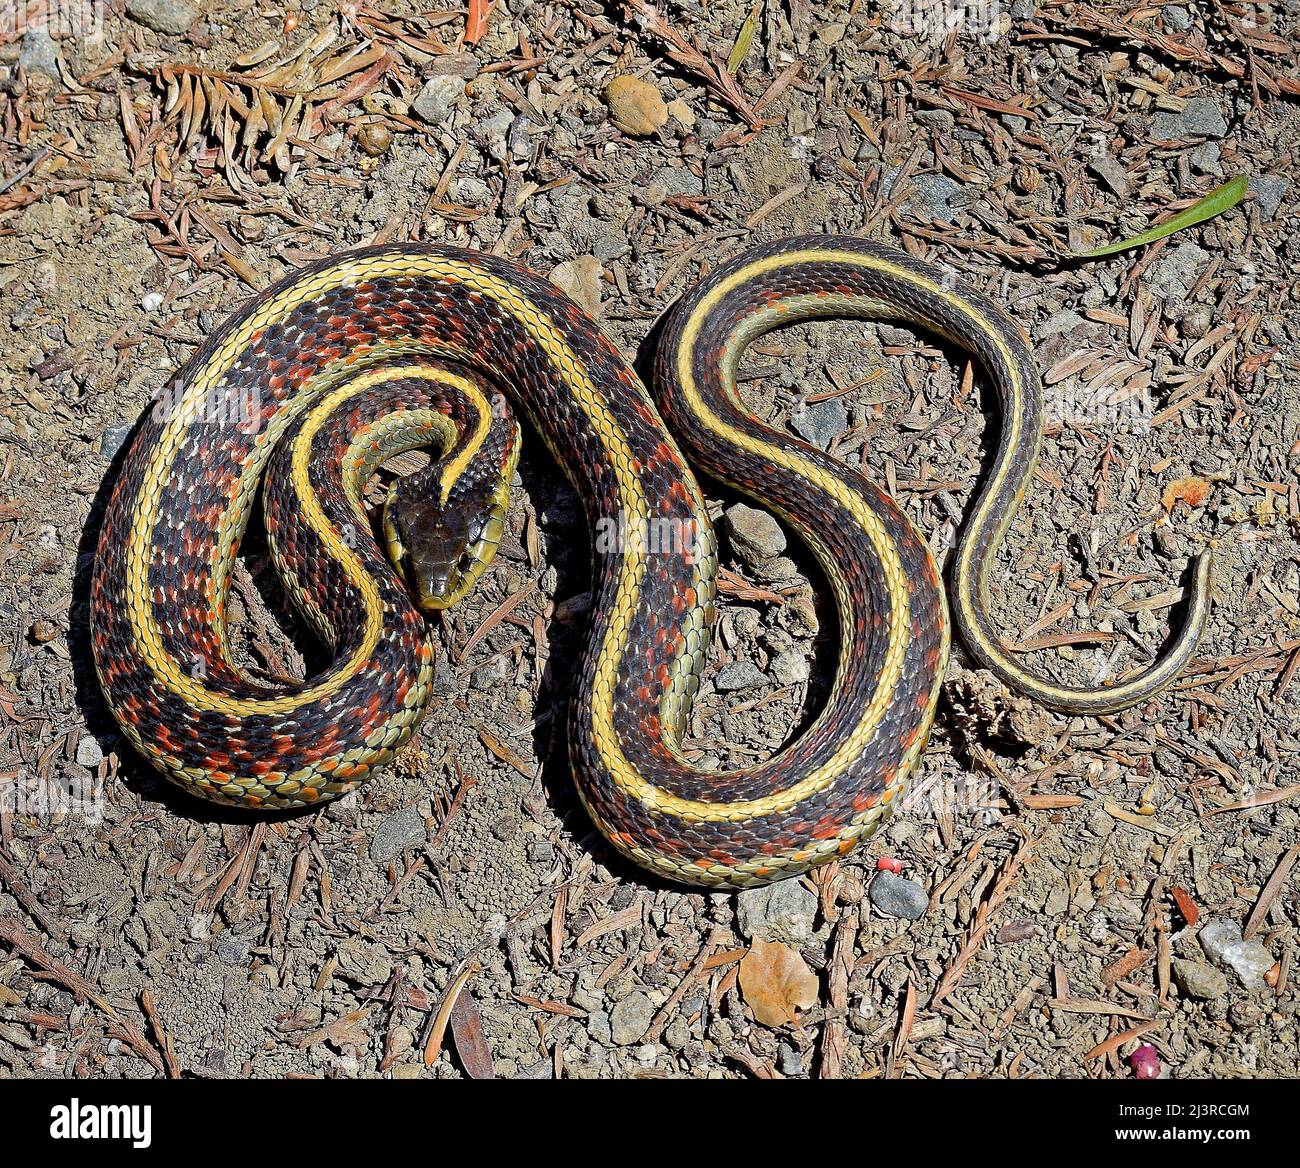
{"x": 1186, "y": 905}
{"x": 776, "y": 983}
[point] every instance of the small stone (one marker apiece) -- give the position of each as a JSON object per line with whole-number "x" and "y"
{"x": 1244, "y": 1015}
{"x": 89, "y": 752}
{"x": 375, "y": 138}
{"x": 635, "y": 106}
{"x": 738, "y": 675}
{"x": 437, "y": 96}
{"x": 580, "y": 277}
{"x": 630, "y": 1018}
{"x": 789, "y": 1061}
{"x": 486, "y": 676}
{"x": 113, "y": 438}
{"x": 541, "y": 851}
{"x": 169, "y": 16}
{"x": 790, "y": 667}
{"x": 936, "y": 192}
{"x": 755, "y": 535}
{"x": 1268, "y": 190}
{"x": 232, "y": 950}
{"x": 1200, "y": 118}
{"x": 820, "y": 422}
{"x": 506, "y": 826}
{"x": 784, "y": 911}
{"x": 1198, "y": 979}
{"x": 598, "y": 1027}
{"x": 400, "y": 830}
{"x": 1176, "y": 18}
{"x": 678, "y": 1033}
{"x": 896, "y": 896}
{"x": 1205, "y": 158}
{"x": 1249, "y": 960}
{"x": 38, "y": 53}
{"x": 44, "y": 631}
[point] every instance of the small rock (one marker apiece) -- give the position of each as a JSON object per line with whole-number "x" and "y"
{"x": 630, "y": 1018}
{"x": 678, "y": 1033}
{"x": 755, "y": 535}
{"x": 541, "y": 851}
{"x": 1176, "y": 270}
{"x": 896, "y": 896}
{"x": 1198, "y": 979}
{"x": 635, "y": 106}
{"x": 1201, "y": 118}
{"x": 936, "y": 192}
{"x": 1176, "y": 18}
{"x": 784, "y": 911}
{"x": 38, "y": 53}
{"x": 169, "y": 16}
{"x": 375, "y": 138}
{"x": 113, "y": 438}
{"x": 1249, "y": 960}
{"x": 396, "y": 832}
{"x": 1205, "y": 158}
{"x": 738, "y": 675}
{"x": 820, "y": 422}
{"x": 89, "y": 752}
{"x": 598, "y": 1027}
{"x": 232, "y": 950}
{"x": 790, "y": 667}
{"x": 1244, "y": 1015}
{"x": 580, "y": 277}
{"x": 1268, "y": 190}
{"x": 434, "y": 101}
{"x": 505, "y": 827}
{"x": 789, "y": 1061}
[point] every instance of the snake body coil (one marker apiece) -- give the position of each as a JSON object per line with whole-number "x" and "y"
{"x": 347, "y": 361}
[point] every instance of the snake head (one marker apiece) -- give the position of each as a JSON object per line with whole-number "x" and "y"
{"x": 442, "y": 548}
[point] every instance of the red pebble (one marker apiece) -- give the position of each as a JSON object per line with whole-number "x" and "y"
{"x": 1145, "y": 1062}
{"x": 889, "y": 864}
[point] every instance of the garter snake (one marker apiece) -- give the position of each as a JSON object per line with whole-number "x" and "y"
{"x": 354, "y": 357}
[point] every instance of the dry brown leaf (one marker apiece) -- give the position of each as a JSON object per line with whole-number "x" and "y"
{"x": 776, "y": 983}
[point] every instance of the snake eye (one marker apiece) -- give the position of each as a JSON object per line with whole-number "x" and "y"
{"x": 465, "y": 562}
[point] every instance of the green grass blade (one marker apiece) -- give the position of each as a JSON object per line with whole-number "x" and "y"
{"x": 1221, "y": 199}
{"x": 744, "y": 38}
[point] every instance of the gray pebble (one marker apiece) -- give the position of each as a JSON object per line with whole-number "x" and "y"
{"x": 113, "y": 438}
{"x": 630, "y": 1018}
{"x": 820, "y": 422}
{"x": 598, "y": 1027}
{"x": 1198, "y": 979}
{"x": 400, "y": 830}
{"x": 1201, "y": 118}
{"x": 169, "y": 16}
{"x": 755, "y": 535}
{"x": 38, "y": 53}
{"x": 784, "y": 911}
{"x": 89, "y": 752}
{"x": 895, "y": 896}
{"x": 1176, "y": 18}
{"x": 738, "y": 675}
{"x": 1268, "y": 190}
{"x": 790, "y": 667}
{"x": 435, "y": 100}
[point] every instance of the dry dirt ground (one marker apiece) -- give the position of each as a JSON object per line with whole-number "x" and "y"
{"x": 1076, "y": 878}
